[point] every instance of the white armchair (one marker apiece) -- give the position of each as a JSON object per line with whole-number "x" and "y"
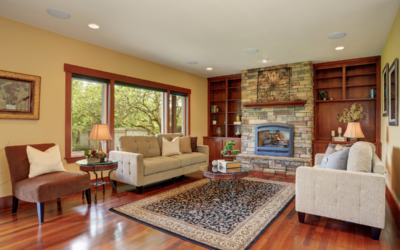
{"x": 356, "y": 197}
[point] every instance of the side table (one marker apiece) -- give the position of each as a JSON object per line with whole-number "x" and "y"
{"x": 95, "y": 167}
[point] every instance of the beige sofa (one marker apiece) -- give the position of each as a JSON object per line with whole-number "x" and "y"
{"x": 141, "y": 162}
{"x": 356, "y": 197}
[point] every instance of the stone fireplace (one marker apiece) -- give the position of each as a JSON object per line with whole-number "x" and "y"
{"x": 274, "y": 139}
{"x": 299, "y": 118}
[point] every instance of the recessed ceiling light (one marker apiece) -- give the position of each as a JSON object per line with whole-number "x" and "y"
{"x": 264, "y": 60}
{"x": 339, "y": 48}
{"x": 192, "y": 62}
{"x": 58, "y": 13}
{"x": 209, "y": 68}
{"x": 337, "y": 35}
{"x": 94, "y": 26}
{"x": 251, "y": 51}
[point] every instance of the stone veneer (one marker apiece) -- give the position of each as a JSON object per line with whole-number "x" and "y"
{"x": 301, "y": 117}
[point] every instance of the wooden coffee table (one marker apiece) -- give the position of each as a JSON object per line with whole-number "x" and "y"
{"x": 220, "y": 174}
{"x": 96, "y": 167}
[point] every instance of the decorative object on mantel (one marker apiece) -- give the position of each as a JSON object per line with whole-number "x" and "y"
{"x": 19, "y": 96}
{"x": 393, "y": 89}
{"x": 100, "y": 132}
{"x": 385, "y": 88}
{"x": 273, "y": 90}
{"x": 231, "y": 152}
{"x": 353, "y": 118}
{"x": 214, "y": 120}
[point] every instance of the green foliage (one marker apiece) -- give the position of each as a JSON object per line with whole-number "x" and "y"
{"x": 229, "y": 149}
{"x": 133, "y": 108}
{"x": 356, "y": 113}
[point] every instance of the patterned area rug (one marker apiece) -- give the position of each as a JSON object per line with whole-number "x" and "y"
{"x": 214, "y": 220}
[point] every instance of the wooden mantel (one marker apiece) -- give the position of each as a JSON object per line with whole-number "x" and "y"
{"x": 275, "y": 104}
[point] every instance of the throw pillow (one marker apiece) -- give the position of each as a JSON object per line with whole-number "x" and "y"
{"x": 336, "y": 159}
{"x": 45, "y": 162}
{"x": 185, "y": 144}
{"x": 170, "y": 148}
{"x": 360, "y": 157}
{"x": 193, "y": 144}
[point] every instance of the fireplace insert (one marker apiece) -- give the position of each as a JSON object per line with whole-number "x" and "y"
{"x": 274, "y": 139}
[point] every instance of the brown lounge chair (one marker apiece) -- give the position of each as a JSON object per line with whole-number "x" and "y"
{"x": 41, "y": 188}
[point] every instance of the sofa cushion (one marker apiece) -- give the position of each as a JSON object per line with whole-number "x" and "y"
{"x": 171, "y": 147}
{"x": 166, "y": 136}
{"x": 193, "y": 144}
{"x": 361, "y": 157}
{"x": 146, "y": 145}
{"x": 190, "y": 158}
{"x": 51, "y": 186}
{"x": 159, "y": 164}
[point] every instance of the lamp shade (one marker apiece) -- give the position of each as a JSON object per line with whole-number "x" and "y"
{"x": 354, "y": 130}
{"x": 100, "y": 132}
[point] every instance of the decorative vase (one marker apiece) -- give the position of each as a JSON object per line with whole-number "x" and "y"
{"x": 238, "y": 118}
{"x": 214, "y": 122}
{"x": 219, "y": 131}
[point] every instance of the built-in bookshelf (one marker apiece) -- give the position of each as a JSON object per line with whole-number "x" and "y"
{"x": 224, "y": 92}
{"x": 346, "y": 82}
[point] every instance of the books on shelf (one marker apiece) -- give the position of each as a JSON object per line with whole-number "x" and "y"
{"x": 214, "y": 109}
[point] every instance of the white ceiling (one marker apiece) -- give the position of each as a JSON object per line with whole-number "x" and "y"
{"x": 217, "y": 32}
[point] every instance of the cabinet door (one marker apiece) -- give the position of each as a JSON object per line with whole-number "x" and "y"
{"x": 215, "y": 147}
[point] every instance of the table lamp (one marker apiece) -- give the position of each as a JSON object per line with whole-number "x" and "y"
{"x": 100, "y": 132}
{"x": 354, "y": 131}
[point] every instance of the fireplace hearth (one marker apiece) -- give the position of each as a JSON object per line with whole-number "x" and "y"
{"x": 274, "y": 139}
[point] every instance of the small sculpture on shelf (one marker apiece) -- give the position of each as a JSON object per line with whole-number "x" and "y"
{"x": 238, "y": 134}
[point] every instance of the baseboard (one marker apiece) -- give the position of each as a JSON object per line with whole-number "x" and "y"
{"x": 393, "y": 205}
{"x": 6, "y": 201}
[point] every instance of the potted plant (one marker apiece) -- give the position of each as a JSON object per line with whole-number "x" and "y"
{"x": 353, "y": 117}
{"x": 229, "y": 153}
{"x": 214, "y": 120}
{"x": 93, "y": 156}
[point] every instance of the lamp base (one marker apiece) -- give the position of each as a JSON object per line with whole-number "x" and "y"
{"x": 353, "y": 139}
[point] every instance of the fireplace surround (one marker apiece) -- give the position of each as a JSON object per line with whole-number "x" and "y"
{"x": 274, "y": 139}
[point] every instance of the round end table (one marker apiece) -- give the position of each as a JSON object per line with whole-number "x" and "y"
{"x": 99, "y": 166}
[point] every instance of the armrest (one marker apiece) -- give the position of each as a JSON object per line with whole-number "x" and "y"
{"x": 345, "y": 195}
{"x": 130, "y": 167}
{"x": 377, "y": 165}
{"x": 204, "y": 150}
{"x": 318, "y": 159}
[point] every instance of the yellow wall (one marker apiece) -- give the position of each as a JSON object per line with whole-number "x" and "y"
{"x": 30, "y": 50}
{"x": 391, "y": 134}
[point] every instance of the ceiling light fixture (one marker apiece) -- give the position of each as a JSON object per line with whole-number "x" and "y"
{"x": 209, "y": 68}
{"x": 192, "y": 62}
{"x": 251, "y": 51}
{"x": 337, "y": 35}
{"x": 339, "y": 48}
{"x": 264, "y": 60}
{"x": 59, "y": 13}
{"x": 93, "y": 26}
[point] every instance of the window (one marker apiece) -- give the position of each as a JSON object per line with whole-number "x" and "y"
{"x": 88, "y": 107}
{"x": 129, "y": 106}
{"x": 137, "y": 111}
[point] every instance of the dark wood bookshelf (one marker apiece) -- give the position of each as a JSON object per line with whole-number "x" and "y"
{"x": 347, "y": 82}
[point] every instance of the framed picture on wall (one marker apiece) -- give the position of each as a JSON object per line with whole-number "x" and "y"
{"x": 19, "y": 96}
{"x": 385, "y": 78}
{"x": 393, "y": 93}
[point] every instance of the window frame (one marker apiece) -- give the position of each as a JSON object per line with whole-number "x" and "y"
{"x": 73, "y": 69}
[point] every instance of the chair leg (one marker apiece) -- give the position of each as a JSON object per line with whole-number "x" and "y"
{"x": 83, "y": 194}
{"x": 15, "y": 205}
{"x": 301, "y": 216}
{"x": 40, "y": 212}
{"x": 88, "y": 196}
{"x": 139, "y": 190}
{"x": 376, "y": 232}
{"x": 58, "y": 199}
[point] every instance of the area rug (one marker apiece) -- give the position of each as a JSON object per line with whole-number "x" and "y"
{"x": 214, "y": 220}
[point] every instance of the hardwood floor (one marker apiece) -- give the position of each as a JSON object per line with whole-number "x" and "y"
{"x": 71, "y": 224}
